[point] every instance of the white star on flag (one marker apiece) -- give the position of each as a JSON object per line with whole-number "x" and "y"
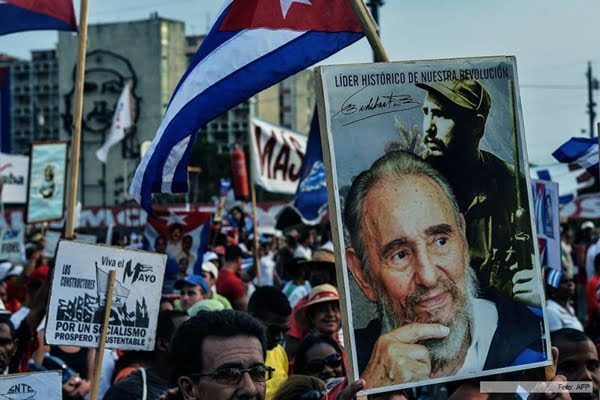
{"x": 286, "y": 4}
{"x": 173, "y": 218}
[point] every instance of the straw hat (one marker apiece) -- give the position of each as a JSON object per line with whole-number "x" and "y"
{"x": 318, "y": 294}
{"x": 320, "y": 257}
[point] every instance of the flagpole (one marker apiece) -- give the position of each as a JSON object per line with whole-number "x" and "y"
{"x": 370, "y": 29}
{"x": 76, "y": 137}
{"x": 253, "y": 197}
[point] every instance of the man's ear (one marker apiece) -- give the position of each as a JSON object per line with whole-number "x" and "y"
{"x": 463, "y": 223}
{"x": 186, "y": 387}
{"x": 359, "y": 274}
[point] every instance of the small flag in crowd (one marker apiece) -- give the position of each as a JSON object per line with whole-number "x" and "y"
{"x": 122, "y": 120}
{"x": 553, "y": 277}
{"x": 580, "y": 153}
{"x": 31, "y": 15}
{"x": 253, "y": 45}
{"x": 186, "y": 232}
{"x": 311, "y": 195}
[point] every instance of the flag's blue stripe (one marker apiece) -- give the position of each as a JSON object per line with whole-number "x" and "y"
{"x": 573, "y": 149}
{"x": 17, "y": 19}
{"x": 544, "y": 174}
{"x": 566, "y": 198}
{"x": 232, "y": 90}
{"x": 203, "y": 246}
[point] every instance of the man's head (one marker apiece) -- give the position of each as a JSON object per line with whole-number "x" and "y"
{"x": 168, "y": 322}
{"x": 408, "y": 250}
{"x": 577, "y": 359}
{"x": 210, "y": 273}
{"x": 8, "y": 343}
{"x": 220, "y": 355}
{"x": 233, "y": 257}
{"x": 454, "y": 118}
{"x": 271, "y": 306}
{"x": 193, "y": 289}
{"x": 186, "y": 243}
{"x": 175, "y": 232}
{"x": 160, "y": 245}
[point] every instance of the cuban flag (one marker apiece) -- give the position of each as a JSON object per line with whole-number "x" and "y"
{"x": 580, "y": 153}
{"x": 31, "y": 15}
{"x": 253, "y": 45}
{"x": 5, "y": 145}
{"x": 311, "y": 196}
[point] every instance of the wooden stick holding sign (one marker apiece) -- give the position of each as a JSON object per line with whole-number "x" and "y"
{"x": 252, "y": 178}
{"x": 77, "y": 121}
{"x": 112, "y": 275}
{"x": 370, "y": 29}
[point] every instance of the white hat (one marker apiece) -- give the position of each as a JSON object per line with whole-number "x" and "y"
{"x": 209, "y": 256}
{"x": 302, "y": 253}
{"x": 328, "y": 246}
{"x": 588, "y": 225}
{"x": 212, "y": 268}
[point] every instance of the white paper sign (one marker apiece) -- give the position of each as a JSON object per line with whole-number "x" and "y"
{"x": 14, "y": 171}
{"x": 79, "y": 287}
{"x": 277, "y": 156}
{"x": 51, "y": 239}
{"x": 12, "y": 244}
{"x": 83, "y": 238}
{"x": 545, "y": 204}
{"x": 34, "y": 386}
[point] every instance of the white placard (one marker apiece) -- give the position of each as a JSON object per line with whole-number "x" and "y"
{"x": 277, "y": 156}
{"x": 79, "y": 286}
{"x": 84, "y": 238}
{"x": 12, "y": 244}
{"x": 34, "y": 386}
{"x": 14, "y": 170}
{"x": 51, "y": 239}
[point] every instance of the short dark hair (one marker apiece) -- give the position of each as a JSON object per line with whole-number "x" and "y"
{"x": 568, "y": 335}
{"x": 269, "y": 299}
{"x": 186, "y": 346}
{"x": 306, "y": 344}
{"x": 232, "y": 253}
{"x": 166, "y": 325}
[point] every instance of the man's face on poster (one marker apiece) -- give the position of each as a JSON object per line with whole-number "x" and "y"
{"x": 438, "y": 125}
{"x": 102, "y": 90}
{"x": 415, "y": 250}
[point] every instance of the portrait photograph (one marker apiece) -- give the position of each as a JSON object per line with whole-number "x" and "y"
{"x": 432, "y": 220}
{"x": 47, "y": 177}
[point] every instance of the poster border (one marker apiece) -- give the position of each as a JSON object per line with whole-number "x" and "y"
{"x": 64, "y": 194}
{"x": 342, "y": 276}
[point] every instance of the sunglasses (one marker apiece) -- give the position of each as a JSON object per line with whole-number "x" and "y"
{"x": 6, "y": 341}
{"x": 315, "y": 366}
{"x": 233, "y": 376}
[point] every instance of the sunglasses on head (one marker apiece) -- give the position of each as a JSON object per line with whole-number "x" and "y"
{"x": 315, "y": 366}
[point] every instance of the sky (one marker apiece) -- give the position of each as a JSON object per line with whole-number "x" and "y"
{"x": 553, "y": 42}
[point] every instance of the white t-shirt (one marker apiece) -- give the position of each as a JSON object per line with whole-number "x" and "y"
{"x": 560, "y": 317}
{"x": 267, "y": 266}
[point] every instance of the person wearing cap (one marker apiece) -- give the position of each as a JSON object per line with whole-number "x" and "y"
{"x": 454, "y": 123}
{"x": 210, "y": 273}
{"x": 321, "y": 314}
{"x": 229, "y": 283}
{"x": 193, "y": 289}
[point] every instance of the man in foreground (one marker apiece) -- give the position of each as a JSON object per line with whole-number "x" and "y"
{"x": 408, "y": 253}
{"x": 220, "y": 355}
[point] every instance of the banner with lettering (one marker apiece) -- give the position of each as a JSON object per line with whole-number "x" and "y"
{"x": 277, "y": 155}
{"x": 12, "y": 244}
{"x": 33, "y": 386}
{"x": 14, "y": 173}
{"x": 78, "y": 293}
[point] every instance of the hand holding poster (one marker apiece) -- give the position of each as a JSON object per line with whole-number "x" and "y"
{"x": 432, "y": 220}
{"x": 79, "y": 286}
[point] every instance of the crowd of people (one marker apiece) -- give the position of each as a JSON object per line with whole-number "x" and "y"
{"x": 227, "y": 332}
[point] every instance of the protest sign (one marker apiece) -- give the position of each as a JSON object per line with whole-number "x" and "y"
{"x": 545, "y": 204}
{"x": 33, "y": 386}
{"x": 12, "y": 244}
{"x": 84, "y": 238}
{"x": 14, "y": 173}
{"x": 47, "y": 175}
{"x": 277, "y": 156}
{"x": 79, "y": 286}
{"x": 430, "y": 201}
{"x": 51, "y": 239}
